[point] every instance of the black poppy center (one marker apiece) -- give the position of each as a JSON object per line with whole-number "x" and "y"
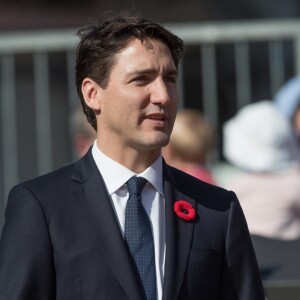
{"x": 185, "y": 211}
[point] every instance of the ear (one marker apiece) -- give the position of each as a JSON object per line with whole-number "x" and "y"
{"x": 91, "y": 93}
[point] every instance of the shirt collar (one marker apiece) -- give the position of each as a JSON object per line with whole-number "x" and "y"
{"x": 109, "y": 168}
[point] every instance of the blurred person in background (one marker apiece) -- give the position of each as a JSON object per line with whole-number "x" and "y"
{"x": 287, "y": 99}
{"x": 191, "y": 143}
{"x": 83, "y": 135}
{"x": 259, "y": 141}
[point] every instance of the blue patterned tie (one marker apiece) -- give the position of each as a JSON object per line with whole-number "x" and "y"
{"x": 138, "y": 235}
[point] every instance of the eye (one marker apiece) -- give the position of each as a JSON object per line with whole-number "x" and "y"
{"x": 141, "y": 80}
{"x": 171, "y": 79}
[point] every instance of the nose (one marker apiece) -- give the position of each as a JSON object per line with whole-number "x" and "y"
{"x": 163, "y": 93}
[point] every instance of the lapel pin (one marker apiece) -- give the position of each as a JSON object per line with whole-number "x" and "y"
{"x": 184, "y": 210}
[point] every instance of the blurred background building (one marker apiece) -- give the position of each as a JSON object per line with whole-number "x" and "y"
{"x": 237, "y": 52}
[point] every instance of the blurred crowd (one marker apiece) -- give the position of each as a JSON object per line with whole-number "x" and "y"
{"x": 82, "y": 133}
{"x": 191, "y": 144}
{"x": 262, "y": 142}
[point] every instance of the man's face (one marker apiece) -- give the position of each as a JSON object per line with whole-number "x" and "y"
{"x": 139, "y": 104}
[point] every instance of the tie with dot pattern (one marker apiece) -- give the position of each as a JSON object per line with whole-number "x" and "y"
{"x": 138, "y": 235}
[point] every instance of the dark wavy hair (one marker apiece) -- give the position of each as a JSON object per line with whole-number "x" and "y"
{"x": 99, "y": 42}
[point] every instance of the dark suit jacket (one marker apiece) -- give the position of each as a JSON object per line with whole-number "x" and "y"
{"x": 61, "y": 241}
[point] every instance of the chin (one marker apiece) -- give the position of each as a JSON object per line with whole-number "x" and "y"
{"x": 154, "y": 141}
{"x": 159, "y": 143}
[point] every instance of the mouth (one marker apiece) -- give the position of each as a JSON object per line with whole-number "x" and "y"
{"x": 157, "y": 121}
{"x": 156, "y": 117}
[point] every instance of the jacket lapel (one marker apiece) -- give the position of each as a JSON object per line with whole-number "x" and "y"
{"x": 178, "y": 237}
{"x": 93, "y": 200}
{"x": 95, "y": 203}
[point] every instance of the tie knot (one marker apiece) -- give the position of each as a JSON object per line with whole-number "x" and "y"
{"x": 135, "y": 185}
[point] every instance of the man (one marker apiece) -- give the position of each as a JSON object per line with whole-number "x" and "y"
{"x": 81, "y": 132}
{"x": 68, "y": 234}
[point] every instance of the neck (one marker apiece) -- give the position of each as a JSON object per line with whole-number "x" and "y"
{"x": 133, "y": 159}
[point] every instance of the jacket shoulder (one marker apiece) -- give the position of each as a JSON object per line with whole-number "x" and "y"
{"x": 63, "y": 177}
{"x": 54, "y": 177}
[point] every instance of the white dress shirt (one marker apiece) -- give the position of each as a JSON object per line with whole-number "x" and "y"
{"x": 115, "y": 177}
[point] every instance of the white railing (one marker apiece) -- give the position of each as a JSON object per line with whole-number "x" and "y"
{"x": 40, "y": 45}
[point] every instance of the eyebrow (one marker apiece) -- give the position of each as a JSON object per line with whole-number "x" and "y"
{"x": 152, "y": 71}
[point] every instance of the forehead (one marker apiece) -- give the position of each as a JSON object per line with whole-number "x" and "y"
{"x": 138, "y": 52}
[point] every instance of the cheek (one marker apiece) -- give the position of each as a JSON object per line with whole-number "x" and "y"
{"x": 173, "y": 92}
{"x": 173, "y": 117}
{"x": 135, "y": 98}
{"x": 174, "y": 107}
{"x": 174, "y": 102}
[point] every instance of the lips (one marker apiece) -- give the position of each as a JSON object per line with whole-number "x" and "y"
{"x": 156, "y": 117}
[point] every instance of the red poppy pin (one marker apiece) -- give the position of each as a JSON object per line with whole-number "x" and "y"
{"x": 184, "y": 210}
